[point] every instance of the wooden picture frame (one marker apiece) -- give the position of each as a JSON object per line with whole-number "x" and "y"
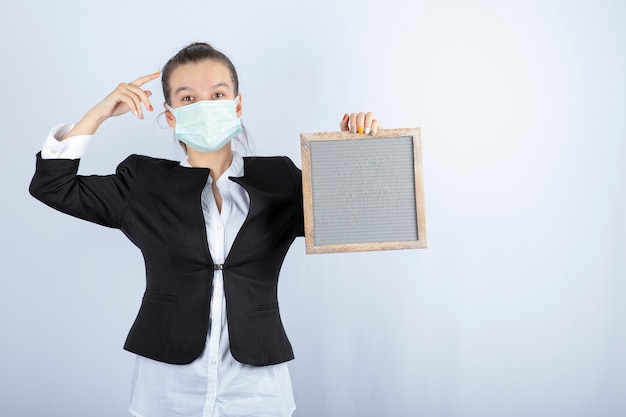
{"x": 362, "y": 192}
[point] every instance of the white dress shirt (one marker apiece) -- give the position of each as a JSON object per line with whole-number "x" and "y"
{"x": 215, "y": 384}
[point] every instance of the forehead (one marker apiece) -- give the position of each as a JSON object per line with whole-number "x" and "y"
{"x": 200, "y": 75}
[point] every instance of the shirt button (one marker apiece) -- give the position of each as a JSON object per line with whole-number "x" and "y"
{"x": 213, "y": 362}
{"x": 53, "y": 151}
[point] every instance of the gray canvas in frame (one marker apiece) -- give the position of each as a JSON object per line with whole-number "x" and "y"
{"x": 363, "y": 191}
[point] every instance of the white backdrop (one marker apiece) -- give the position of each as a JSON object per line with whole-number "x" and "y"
{"x": 517, "y": 308}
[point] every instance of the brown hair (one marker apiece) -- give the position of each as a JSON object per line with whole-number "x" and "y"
{"x": 196, "y": 52}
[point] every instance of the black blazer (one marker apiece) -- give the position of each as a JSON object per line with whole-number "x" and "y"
{"x": 156, "y": 204}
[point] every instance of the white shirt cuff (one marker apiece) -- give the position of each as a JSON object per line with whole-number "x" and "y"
{"x": 71, "y": 148}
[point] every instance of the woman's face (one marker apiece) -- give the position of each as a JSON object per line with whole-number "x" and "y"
{"x": 204, "y": 80}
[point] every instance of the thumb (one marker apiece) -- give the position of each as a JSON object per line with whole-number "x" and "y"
{"x": 343, "y": 125}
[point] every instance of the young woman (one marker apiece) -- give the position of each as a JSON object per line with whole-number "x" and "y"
{"x": 213, "y": 230}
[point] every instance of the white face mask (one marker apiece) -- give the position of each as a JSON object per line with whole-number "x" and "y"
{"x": 207, "y": 125}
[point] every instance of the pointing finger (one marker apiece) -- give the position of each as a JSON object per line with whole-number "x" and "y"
{"x": 146, "y": 78}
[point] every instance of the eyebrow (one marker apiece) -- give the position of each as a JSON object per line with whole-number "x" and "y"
{"x": 216, "y": 85}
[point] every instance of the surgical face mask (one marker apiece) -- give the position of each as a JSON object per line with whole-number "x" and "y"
{"x": 207, "y": 125}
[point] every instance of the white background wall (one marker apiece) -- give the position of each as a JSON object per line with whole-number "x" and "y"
{"x": 517, "y": 308}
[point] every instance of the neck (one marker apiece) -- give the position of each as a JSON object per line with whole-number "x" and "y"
{"x": 218, "y": 161}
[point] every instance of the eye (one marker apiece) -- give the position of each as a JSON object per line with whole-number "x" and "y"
{"x": 187, "y": 98}
{"x": 217, "y": 96}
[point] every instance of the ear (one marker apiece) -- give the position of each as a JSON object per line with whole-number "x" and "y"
{"x": 171, "y": 120}
{"x": 239, "y": 108}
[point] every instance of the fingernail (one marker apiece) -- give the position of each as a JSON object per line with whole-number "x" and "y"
{"x": 345, "y": 116}
{"x": 367, "y": 130}
{"x": 157, "y": 73}
{"x": 360, "y": 130}
{"x": 150, "y": 107}
{"x": 135, "y": 113}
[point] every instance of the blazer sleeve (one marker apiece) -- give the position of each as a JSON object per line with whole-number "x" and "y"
{"x": 100, "y": 199}
{"x": 296, "y": 178}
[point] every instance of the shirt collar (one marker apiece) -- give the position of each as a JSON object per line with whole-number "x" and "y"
{"x": 234, "y": 170}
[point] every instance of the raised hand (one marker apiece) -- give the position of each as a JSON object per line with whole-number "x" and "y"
{"x": 360, "y": 123}
{"x": 126, "y": 97}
